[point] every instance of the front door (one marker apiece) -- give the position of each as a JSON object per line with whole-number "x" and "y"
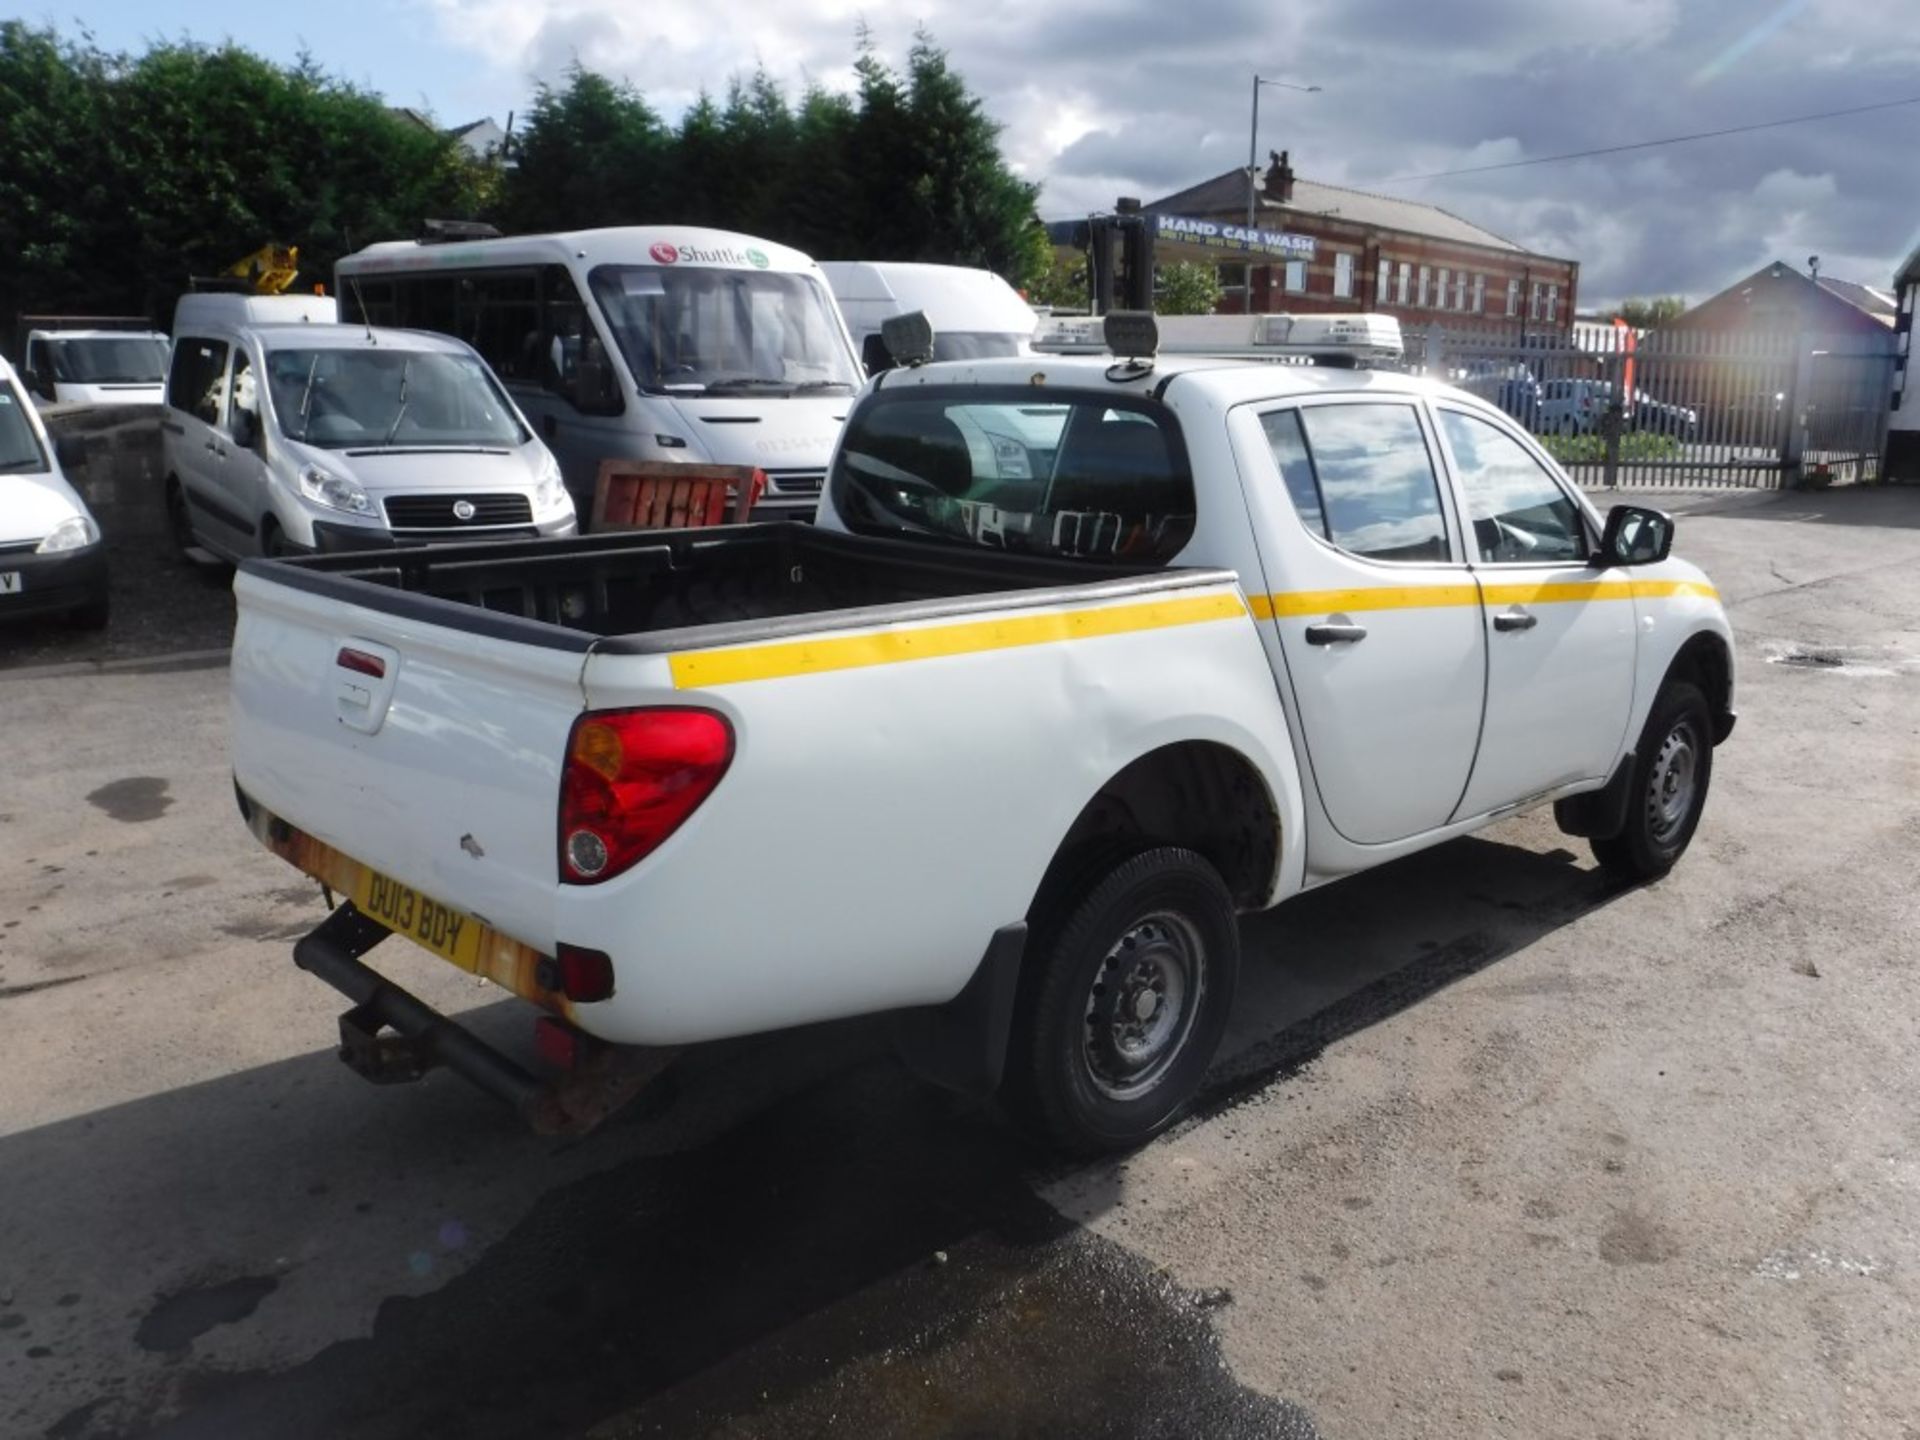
{"x": 1559, "y": 632}
{"x": 243, "y": 471}
{"x": 195, "y": 437}
{"x": 1371, "y": 606}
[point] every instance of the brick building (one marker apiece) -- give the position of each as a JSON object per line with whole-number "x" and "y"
{"x": 1324, "y": 248}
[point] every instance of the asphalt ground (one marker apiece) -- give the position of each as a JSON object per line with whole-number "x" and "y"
{"x": 1495, "y": 1147}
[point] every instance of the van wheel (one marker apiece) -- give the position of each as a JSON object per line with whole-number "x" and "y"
{"x": 1668, "y": 791}
{"x": 179, "y": 522}
{"x": 1125, "y": 998}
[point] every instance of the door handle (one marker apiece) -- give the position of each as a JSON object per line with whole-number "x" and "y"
{"x": 1515, "y": 620}
{"x": 1332, "y": 634}
{"x": 212, "y": 446}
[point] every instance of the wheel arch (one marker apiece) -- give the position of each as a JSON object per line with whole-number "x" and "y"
{"x": 1200, "y": 794}
{"x": 1706, "y": 660}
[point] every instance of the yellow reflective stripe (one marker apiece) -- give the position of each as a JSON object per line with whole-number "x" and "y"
{"x": 1423, "y": 597}
{"x": 699, "y": 669}
{"x": 1393, "y": 597}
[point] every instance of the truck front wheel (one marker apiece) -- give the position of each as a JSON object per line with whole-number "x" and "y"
{"x": 1127, "y": 992}
{"x": 1667, "y": 790}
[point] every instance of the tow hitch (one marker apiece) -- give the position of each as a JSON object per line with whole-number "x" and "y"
{"x": 391, "y": 1036}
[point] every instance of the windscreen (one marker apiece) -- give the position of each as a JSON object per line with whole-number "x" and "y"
{"x": 383, "y": 398}
{"x": 19, "y": 446}
{"x": 700, "y": 330}
{"x": 1089, "y": 476}
{"x": 109, "y": 360}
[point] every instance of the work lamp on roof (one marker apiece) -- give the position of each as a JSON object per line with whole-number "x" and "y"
{"x": 1132, "y": 334}
{"x": 908, "y": 338}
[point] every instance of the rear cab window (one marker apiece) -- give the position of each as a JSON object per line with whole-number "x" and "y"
{"x": 1015, "y": 468}
{"x": 1362, "y": 478}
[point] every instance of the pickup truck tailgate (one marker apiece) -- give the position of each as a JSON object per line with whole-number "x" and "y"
{"x": 429, "y": 753}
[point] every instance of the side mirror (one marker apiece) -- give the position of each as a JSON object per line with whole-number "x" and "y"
{"x": 246, "y": 428}
{"x": 69, "y": 452}
{"x": 593, "y": 388}
{"x": 1635, "y": 535}
{"x": 43, "y": 385}
{"x": 874, "y": 354}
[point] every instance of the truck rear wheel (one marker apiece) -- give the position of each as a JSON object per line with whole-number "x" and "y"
{"x": 1668, "y": 789}
{"x": 1127, "y": 992}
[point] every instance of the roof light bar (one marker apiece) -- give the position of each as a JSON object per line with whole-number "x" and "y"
{"x": 1330, "y": 339}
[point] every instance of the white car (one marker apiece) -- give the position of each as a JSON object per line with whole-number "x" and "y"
{"x": 52, "y": 559}
{"x": 1002, "y": 747}
{"x": 285, "y": 435}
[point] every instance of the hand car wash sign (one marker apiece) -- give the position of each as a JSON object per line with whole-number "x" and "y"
{"x": 1221, "y": 235}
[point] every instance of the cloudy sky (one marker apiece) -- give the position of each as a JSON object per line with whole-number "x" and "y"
{"x": 1108, "y": 97}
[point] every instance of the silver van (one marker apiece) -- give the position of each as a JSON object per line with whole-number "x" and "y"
{"x": 285, "y": 433}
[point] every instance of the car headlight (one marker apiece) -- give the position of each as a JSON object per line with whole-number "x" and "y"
{"x": 74, "y": 533}
{"x": 336, "y": 492}
{"x": 551, "y": 492}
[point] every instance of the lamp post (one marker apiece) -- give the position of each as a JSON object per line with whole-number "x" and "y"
{"x": 1253, "y": 135}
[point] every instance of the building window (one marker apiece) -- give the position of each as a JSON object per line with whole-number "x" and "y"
{"x": 1479, "y": 293}
{"x": 1553, "y": 304}
{"x": 1513, "y": 298}
{"x": 1440, "y": 301}
{"x": 1233, "y": 277}
{"x": 1426, "y": 278}
{"x": 1404, "y": 279}
{"x": 1384, "y": 286}
{"x": 1343, "y": 275}
{"x": 1296, "y": 277}
{"x": 1533, "y": 300}
{"x": 1460, "y": 291}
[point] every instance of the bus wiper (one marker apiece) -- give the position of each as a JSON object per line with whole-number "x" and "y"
{"x": 747, "y": 382}
{"x": 401, "y": 413}
{"x": 824, "y": 385}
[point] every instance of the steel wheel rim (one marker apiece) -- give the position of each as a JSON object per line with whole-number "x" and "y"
{"x": 1671, "y": 786}
{"x": 1142, "y": 1005}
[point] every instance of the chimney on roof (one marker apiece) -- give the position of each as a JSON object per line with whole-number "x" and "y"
{"x": 1279, "y": 182}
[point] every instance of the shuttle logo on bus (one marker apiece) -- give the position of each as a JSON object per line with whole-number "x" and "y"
{"x": 666, "y": 254}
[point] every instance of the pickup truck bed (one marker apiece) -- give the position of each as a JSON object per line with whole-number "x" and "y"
{"x": 645, "y": 592}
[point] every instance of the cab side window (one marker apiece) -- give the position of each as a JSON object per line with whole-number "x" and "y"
{"x": 1519, "y": 514}
{"x": 1362, "y": 479}
{"x": 199, "y": 372}
{"x": 240, "y": 389}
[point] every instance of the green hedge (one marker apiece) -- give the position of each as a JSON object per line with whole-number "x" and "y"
{"x": 1592, "y": 449}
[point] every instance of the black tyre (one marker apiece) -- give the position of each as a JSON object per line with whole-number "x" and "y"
{"x": 179, "y": 521}
{"x": 1668, "y": 790}
{"x": 1125, "y": 995}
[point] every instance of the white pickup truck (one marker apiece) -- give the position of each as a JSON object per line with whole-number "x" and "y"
{"x": 1081, "y": 659}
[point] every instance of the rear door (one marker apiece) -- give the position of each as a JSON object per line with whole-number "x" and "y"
{"x": 1372, "y": 607}
{"x": 1559, "y": 632}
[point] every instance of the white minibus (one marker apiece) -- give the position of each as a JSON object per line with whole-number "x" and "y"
{"x": 657, "y": 343}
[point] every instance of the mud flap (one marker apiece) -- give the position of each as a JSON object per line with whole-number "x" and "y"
{"x": 962, "y": 1045}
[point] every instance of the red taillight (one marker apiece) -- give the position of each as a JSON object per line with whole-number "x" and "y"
{"x": 585, "y": 975}
{"x": 632, "y": 777}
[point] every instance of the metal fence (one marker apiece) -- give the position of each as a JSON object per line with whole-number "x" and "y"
{"x": 1679, "y": 408}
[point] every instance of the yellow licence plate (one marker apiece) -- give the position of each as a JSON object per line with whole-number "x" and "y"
{"x": 422, "y": 919}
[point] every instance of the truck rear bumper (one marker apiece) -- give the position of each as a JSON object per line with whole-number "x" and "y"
{"x": 600, "y": 1080}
